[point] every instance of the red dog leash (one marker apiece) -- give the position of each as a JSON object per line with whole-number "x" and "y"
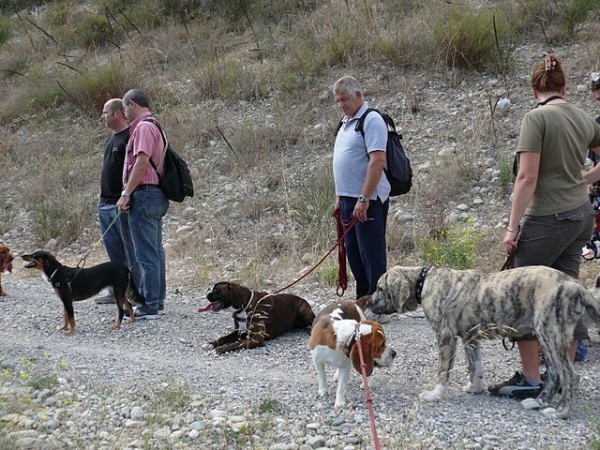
{"x": 342, "y": 277}
{"x": 363, "y": 368}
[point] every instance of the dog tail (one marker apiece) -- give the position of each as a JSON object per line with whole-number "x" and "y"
{"x": 133, "y": 295}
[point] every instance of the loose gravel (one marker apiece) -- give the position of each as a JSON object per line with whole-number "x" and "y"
{"x": 155, "y": 385}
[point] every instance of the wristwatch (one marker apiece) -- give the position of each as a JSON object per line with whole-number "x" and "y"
{"x": 124, "y": 194}
{"x": 362, "y": 198}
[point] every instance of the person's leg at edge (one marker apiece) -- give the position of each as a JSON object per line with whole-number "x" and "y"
{"x": 127, "y": 240}
{"x": 372, "y": 244}
{"x": 575, "y": 226}
{"x": 569, "y": 262}
{"x": 112, "y": 239}
{"x": 355, "y": 262}
{"x": 145, "y": 223}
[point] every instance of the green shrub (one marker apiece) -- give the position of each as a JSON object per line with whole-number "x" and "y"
{"x": 64, "y": 218}
{"x": 39, "y": 382}
{"x": 576, "y": 12}
{"x": 5, "y": 30}
{"x": 466, "y": 38}
{"x": 505, "y": 169}
{"x": 454, "y": 248}
{"x": 89, "y": 90}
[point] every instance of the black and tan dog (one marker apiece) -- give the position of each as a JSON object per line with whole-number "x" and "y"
{"x": 258, "y": 316}
{"x": 474, "y": 306}
{"x": 75, "y": 284}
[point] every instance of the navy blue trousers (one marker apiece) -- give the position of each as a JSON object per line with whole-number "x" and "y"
{"x": 365, "y": 243}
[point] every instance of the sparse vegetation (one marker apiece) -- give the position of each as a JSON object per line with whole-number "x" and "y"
{"x": 456, "y": 248}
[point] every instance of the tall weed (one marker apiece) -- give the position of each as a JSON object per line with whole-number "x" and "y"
{"x": 468, "y": 39}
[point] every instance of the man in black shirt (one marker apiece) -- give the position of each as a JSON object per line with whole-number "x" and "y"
{"x": 117, "y": 240}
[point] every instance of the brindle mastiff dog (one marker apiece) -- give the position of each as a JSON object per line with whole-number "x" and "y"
{"x": 476, "y": 306}
{"x": 258, "y": 316}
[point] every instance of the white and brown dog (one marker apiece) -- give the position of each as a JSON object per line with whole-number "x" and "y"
{"x": 333, "y": 341}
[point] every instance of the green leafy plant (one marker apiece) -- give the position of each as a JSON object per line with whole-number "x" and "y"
{"x": 456, "y": 248}
{"x": 594, "y": 443}
{"x": 42, "y": 381}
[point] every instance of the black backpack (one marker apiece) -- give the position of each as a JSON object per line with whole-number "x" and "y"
{"x": 176, "y": 182}
{"x": 398, "y": 170}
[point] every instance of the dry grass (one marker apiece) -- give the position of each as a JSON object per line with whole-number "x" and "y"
{"x": 210, "y": 65}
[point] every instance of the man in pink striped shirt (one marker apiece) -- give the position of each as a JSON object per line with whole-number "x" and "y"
{"x": 144, "y": 201}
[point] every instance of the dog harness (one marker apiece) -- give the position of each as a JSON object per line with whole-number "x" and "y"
{"x": 420, "y": 283}
{"x": 61, "y": 281}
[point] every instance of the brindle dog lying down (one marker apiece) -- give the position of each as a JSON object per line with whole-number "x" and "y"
{"x": 258, "y": 316}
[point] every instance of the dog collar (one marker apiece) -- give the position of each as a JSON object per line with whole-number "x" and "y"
{"x": 420, "y": 283}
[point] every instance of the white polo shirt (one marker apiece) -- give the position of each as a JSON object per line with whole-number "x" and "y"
{"x": 350, "y": 159}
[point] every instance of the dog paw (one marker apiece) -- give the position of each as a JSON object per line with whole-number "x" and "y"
{"x": 339, "y": 404}
{"x": 323, "y": 392}
{"x": 531, "y": 403}
{"x": 430, "y": 396}
{"x": 207, "y": 346}
{"x": 474, "y": 388}
{"x": 550, "y": 413}
{"x": 438, "y": 393}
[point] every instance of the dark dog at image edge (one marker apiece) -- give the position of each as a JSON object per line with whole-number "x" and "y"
{"x": 333, "y": 341}
{"x": 476, "y": 306}
{"x": 258, "y": 316}
{"x": 75, "y": 284}
{"x": 6, "y": 259}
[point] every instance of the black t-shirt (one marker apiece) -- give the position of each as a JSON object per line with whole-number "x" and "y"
{"x": 111, "y": 179}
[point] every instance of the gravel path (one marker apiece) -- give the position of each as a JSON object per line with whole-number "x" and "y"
{"x": 154, "y": 385}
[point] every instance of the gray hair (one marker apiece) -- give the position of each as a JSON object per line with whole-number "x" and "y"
{"x": 347, "y": 83}
{"x": 138, "y": 97}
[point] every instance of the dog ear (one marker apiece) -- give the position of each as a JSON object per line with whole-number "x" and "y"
{"x": 400, "y": 290}
{"x": 366, "y": 346}
{"x": 363, "y": 300}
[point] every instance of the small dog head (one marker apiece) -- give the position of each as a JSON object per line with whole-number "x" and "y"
{"x": 374, "y": 348}
{"x": 225, "y": 294}
{"x": 6, "y": 259}
{"x": 40, "y": 260}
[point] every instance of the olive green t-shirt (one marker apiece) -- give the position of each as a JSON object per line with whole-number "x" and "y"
{"x": 562, "y": 134}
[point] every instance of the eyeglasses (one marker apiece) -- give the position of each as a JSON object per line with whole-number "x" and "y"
{"x": 596, "y": 83}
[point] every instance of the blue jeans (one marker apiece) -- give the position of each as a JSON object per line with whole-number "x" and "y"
{"x": 365, "y": 243}
{"x": 148, "y": 207}
{"x": 117, "y": 240}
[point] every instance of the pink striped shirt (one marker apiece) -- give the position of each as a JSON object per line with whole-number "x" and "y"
{"x": 145, "y": 138}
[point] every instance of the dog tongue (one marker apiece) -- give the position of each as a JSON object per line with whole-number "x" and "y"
{"x": 5, "y": 265}
{"x": 208, "y": 307}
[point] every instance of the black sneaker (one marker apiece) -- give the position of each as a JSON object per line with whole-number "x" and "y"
{"x": 516, "y": 387}
{"x": 141, "y": 315}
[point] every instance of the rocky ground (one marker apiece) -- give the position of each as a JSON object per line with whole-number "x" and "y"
{"x": 154, "y": 384}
